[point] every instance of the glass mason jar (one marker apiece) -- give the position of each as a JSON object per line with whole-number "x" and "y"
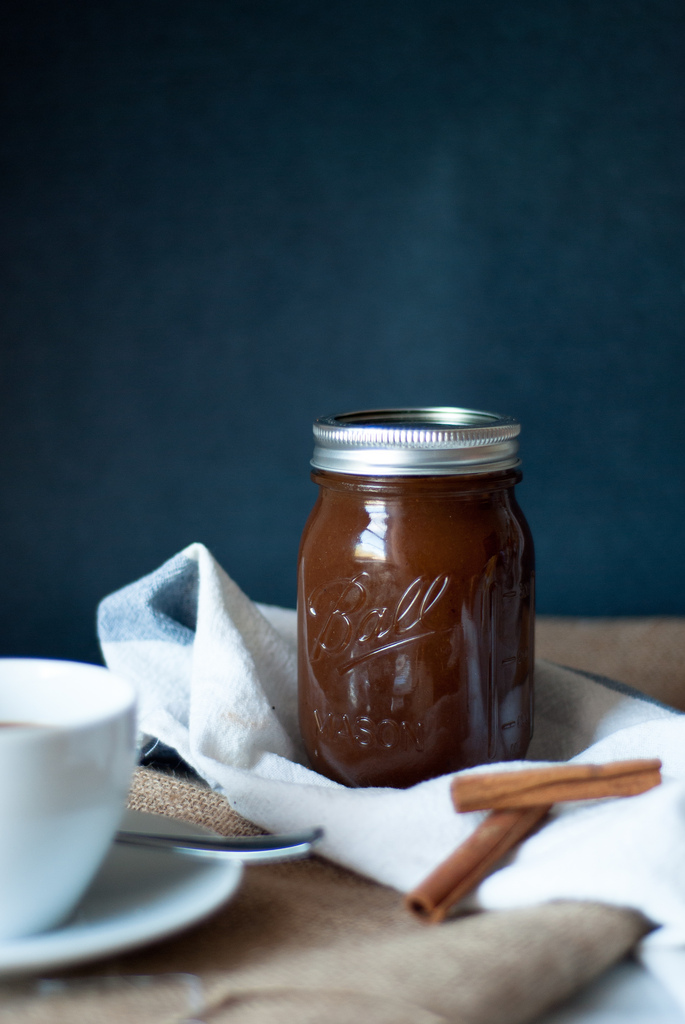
{"x": 415, "y": 597}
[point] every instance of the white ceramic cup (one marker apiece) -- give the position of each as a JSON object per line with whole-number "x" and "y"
{"x": 66, "y": 759}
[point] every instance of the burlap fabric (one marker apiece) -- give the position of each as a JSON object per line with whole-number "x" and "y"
{"x": 309, "y": 942}
{"x": 647, "y": 653}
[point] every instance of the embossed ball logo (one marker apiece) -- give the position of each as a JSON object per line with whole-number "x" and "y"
{"x": 350, "y": 627}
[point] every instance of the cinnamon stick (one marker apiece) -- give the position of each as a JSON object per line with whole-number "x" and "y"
{"x": 533, "y": 786}
{"x": 471, "y": 862}
{"x": 518, "y": 801}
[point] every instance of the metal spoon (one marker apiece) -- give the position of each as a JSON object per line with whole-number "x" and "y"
{"x": 255, "y": 849}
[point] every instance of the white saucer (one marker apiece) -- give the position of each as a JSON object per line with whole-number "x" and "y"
{"x": 139, "y": 894}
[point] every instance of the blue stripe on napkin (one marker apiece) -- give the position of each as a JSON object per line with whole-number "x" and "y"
{"x": 161, "y": 606}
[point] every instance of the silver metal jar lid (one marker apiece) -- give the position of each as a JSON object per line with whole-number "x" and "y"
{"x": 415, "y": 442}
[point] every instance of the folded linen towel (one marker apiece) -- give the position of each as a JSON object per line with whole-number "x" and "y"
{"x": 217, "y": 681}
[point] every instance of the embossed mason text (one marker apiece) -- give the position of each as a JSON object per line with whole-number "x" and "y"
{"x": 363, "y": 731}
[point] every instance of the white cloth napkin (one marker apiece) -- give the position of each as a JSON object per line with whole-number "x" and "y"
{"x": 216, "y": 679}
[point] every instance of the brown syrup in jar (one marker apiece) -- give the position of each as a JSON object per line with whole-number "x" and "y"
{"x": 415, "y": 618}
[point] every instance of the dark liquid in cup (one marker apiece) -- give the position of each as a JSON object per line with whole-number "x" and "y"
{"x": 22, "y": 725}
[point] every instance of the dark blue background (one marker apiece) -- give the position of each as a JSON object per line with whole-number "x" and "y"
{"x": 222, "y": 219}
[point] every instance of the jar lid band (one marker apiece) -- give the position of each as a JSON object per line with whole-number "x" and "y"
{"x": 415, "y": 442}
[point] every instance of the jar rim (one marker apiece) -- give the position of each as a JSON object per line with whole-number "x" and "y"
{"x": 415, "y": 441}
